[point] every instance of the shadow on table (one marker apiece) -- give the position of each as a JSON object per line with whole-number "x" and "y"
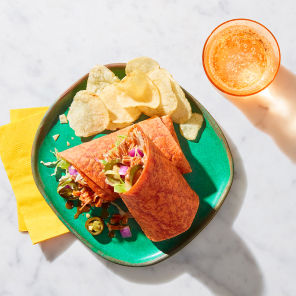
{"x": 273, "y": 111}
{"x": 56, "y": 246}
{"x": 218, "y": 257}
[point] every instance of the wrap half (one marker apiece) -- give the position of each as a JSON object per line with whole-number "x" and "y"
{"x": 86, "y": 157}
{"x": 153, "y": 189}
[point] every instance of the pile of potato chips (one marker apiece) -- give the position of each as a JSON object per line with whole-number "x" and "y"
{"x": 110, "y": 103}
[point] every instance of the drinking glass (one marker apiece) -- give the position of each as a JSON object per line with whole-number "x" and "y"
{"x": 241, "y": 57}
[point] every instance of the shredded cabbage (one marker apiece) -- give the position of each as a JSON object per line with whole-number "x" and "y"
{"x": 59, "y": 163}
{"x": 49, "y": 164}
{"x": 65, "y": 177}
{"x": 63, "y": 183}
{"x": 55, "y": 153}
{"x": 80, "y": 178}
{"x": 55, "y": 171}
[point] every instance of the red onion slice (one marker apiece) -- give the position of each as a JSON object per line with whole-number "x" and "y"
{"x": 132, "y": 153}
{"x": 122, "y": 170}
{"x": 126, "y": 232}
{"x": 72, "y": 171}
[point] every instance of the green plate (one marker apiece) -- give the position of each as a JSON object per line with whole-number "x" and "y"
{"x": 211, "y": 178}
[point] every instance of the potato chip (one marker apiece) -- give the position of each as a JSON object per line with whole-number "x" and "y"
{"x": 115, "y": 126}
{"x": 118, "y": 114}
{"x": 137, "y": 89}
{"x": 183, "y": 111}
{"x": 143, "y": 64}
{"x": 87, "y": 115}
{"x": 189, "y": 129}
{"x": 100, "y": 77}
{"x": 168, "y": 101}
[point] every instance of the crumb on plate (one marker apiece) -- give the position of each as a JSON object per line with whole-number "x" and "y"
{"x": 55, "y": 137}
{"x": 63, "y": 118}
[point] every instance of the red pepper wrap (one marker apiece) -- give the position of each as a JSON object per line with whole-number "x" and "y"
{"x": 161, "y": 201}
{"x": 84, "y": 157}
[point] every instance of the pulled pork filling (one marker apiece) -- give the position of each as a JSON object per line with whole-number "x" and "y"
{"x": 72, "y": 186}
{"x": 124, "y": 163}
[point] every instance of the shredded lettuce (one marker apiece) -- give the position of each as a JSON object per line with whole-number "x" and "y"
{"x": 121, "y": 137}
{"x": 66, "y": 187}
{"x": 63, "y": 164}
{"x": 65, "y": 177}
{"x": 104, "y": 162}
{"x": 119, "y": 188}
{"x": 55, "y": 171}
{"x": 113, "y": 176}
{"x": 55, "y": 153}
{"x": 59, "y": 163}
{"x": 64, "y": 183}
{"x": 49, "y": 164}
{"x": 80, "y": 178}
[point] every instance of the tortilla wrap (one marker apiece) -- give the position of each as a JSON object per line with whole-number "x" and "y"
{"x": 86, "y": 157}
{"x": 168, "y": 122}
{"x": 161, "y": 200}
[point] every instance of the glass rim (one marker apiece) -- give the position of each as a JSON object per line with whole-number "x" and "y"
{"x": 219, "y": 88}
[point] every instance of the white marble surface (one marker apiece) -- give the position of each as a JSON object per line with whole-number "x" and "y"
{"x": 249, "y": 247}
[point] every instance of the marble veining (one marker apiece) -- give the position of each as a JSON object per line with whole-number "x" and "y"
{"x": 249, "y": 247}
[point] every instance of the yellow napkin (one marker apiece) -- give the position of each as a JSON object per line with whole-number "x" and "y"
{"x": 19, "y": 114}
{"x": 16, "y": 115}
{"x": 16, "y": 139}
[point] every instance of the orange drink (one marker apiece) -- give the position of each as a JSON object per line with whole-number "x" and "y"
{"x": 241, "y": 57}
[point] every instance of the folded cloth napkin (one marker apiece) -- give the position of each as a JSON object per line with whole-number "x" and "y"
{"x": 16, "y": 140}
